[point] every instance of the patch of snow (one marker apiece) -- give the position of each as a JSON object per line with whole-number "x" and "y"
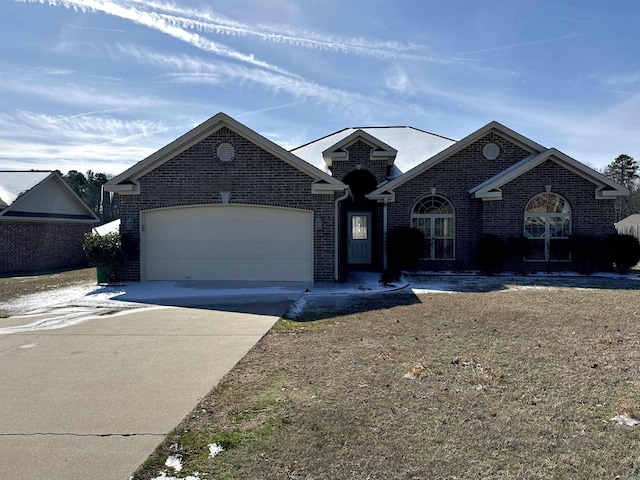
{"x": 175, "y": 462}
{"x": 163, "y": 476}
{"x": 65, "y": 317}
{"x": 625, "y": 419}
{"x": 215, "y": 449}
{"x": 423, "y": 290}
{"x": 297, "y": 308}
{"x": 29, "y": 345}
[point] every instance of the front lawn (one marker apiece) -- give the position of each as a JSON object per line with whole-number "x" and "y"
{"x": 512, "y": 381}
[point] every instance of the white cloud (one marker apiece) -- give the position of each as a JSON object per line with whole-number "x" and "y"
{"x": 189, "y": 69}
{"x": 83, "y": 139}
{"x": 157, "y": 22}
{"x": 398, "y": 81}
{"x": 525, "y": 44}
{"x": 624, "y": 79}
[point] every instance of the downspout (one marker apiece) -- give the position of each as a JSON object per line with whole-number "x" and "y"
{"x": 336, "y": 220}
{"x": 384, "y": 234}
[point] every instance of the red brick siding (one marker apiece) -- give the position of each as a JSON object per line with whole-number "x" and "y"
{"x": 254, "y": 177}
{"x": 31, "y": 246}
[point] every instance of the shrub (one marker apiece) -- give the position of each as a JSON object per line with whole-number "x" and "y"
{"x": 584, "y": 253}
{"x": 621, "y": 251}
{"x": 405, "y": 245}
{"x": 519, "y": 248}
{"x": 111, "y": 251}
{"x": 490, "y": 253}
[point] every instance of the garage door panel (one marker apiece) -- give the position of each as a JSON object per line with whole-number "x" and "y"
{"x": 228, "y": 242}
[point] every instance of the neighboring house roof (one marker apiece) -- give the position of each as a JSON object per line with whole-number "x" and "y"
{"x": 127, "y": 182}
{"x": 14, "y": 183}
{"x": 413, "y": 145}
{"x": 630, "y": 221}
{"x": 490, "y": 189}
{"x": 111, "y": 227}
{"x": 42, "y": 196}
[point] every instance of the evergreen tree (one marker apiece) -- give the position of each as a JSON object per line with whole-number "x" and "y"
{"x": 624, "y": 170}
{"x": 89, "y": 189}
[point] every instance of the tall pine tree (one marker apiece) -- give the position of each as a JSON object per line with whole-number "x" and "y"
{"x": 624, "y": 170}
{"x": 89, "y": 189}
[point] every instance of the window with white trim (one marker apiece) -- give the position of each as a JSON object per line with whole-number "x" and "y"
{"x": 435, "y": 217}
{"x": 547, "y": 225}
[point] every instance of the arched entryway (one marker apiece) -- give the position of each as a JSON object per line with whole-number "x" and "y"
{"x": 359, "y": 223}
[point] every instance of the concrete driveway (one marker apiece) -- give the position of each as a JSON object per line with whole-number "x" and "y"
{"x": 93, "y": 399}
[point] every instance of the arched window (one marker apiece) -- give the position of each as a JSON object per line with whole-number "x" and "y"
{"x": 435, "y": 216}
{"x": 547, "y": 224}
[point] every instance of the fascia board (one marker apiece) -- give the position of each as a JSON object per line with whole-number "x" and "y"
{"x": 91, "y": 221}
{"x": 388, "y": 196}
{"x": 524, "y": 142}
{"x": 493, "y": 195}
{"x": 602, "y": 194}
{"x": 383, "y": 153}
{"x": 508, "y": 175}
{"x": 335, "y": 152}
{"x": 169, "y": 151}
{"x": 326, "y": 187}
{"x": 123, "y": 188}
{"x": 589, "y": 173}
{"x": 561, "y": 159}
{"x": 202, "y": 131}
{"x": 336, "y": 155}
{"x": 330, "y": 157}
{"x": 354, "y": 136}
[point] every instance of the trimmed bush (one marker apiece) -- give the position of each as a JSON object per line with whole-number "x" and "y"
{"x": 490, "y": 253}
{"x": 621, "y": 251}
{"x": 405, "y": 245}
{"x": 584, "y": 253}
{"x": 109, "y": 252}
{"x": 518, "y": 248}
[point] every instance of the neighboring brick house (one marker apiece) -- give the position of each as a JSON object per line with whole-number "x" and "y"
{"x": 224, "y": 203}
{"x": 42, "y": 222}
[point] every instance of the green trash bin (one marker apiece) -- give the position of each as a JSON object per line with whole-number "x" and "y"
{"x": 102, "y": 272}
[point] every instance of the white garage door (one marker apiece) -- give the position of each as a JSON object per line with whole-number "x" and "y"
{"x": 227, "y": 242}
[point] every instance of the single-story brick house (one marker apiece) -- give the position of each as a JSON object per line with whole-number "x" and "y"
{"x": 42, "y": 222}
{"x": 222, "y": 202}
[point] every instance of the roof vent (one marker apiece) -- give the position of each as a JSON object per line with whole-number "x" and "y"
{"x": 491, "y": 151}
{"x": 225, "y": 152}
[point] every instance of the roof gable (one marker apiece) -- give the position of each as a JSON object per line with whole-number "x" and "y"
{"x": 512, "y": 136}
{"x": 126, "y": 182}
{"x": 339, "y": 151}
{"x": 412, "y": 144}
{"x": 605, "y": 187}
{"x": 49, "y": 198}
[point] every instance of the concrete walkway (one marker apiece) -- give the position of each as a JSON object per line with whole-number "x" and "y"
{"x": 92, "y": 400}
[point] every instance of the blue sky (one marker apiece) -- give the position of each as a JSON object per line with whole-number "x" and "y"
{"x": 101, "y": 84}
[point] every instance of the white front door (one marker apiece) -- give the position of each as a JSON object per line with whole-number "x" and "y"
{"x": 359, "y": 237}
